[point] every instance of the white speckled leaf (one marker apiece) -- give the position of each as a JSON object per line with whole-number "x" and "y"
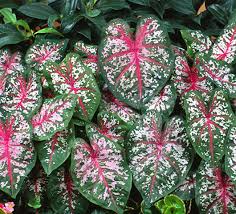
{"x": 89, "y": 54}
{"x": 220, "y": 73}
{"x": 100, "y": 173}
{"x": 196, "y": 41}
{"x": 72, "y": 77}
{"x": 230, "y": 156}
{"x": 215, "y": 193}
{"x": 63, "y": 196}
{"x": 17, "y": 156}
{"x": 136, "y": 69}
{"x": 53, "y": 153}
{"x": 163, "y": 102}
{"x": 207, "y": 126}
{"x": 159, "y": 159}
{"x": 188, "y": 78}
{"x": 21, "y": 94}
{"x": 43, "y": 51}
{"x": 53, "y": 116}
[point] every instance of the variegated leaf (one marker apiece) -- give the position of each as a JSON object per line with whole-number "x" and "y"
{"x": 136, "y": 69}
{"x": 72, "y": 77}
{"x": 220, "y": 73}
{"x": 163, "y": 102}
{"x": 100, "y": 172}
{"x": 21, "y": 94}
{"x": 53, "y": 153}
{"x": 110, "y": 104}
{"x": 207, "y": 126}
{"x": 17, "y": 156}
{"x": 64, "y": 197}
{"x": 159, "y": 159}
{"x": 215, "y": 193}
{"x": 196, "y": 41}
{"x": 186, "y": 190}
{"x": 230, "y": 156}
{"x": 53, "y": 116}
{"x": 43, "y": 51}
{"x": 89, "y": 54}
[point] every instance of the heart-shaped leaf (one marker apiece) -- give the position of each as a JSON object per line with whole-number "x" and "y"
{"x": 52, "y": 153}
{"x": 207, "y": 126}
{"x": 53, "y": 116}
{"x": 43, "y": 51}
{"x": 100, "y": 172}
{"x": 63, "y": 195}
{"x": 230, "y": 157}
{"x": 72, "y": 77}
{"x": 89, "y": 54}
{"x": 159, "y": 159}
{"x": 163, "y": 102}
{"x": 17, "y": 156}
{"x": 219, "y": 73}
{"x": 215, "y": 193}
{"x": 136, "y": 69}
{"x": 22, "y": 95}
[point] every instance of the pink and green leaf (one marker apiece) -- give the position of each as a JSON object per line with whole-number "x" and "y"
{"x": 136, "y": 69}
{"x": 207, "y": 126}
{"x": 159, "y": 158}
{"x": 54, "y": 115}
{"x": 17, "y": 156}
{"x": 43, "y": 51}
{"x": 72, "y": 77}
{"x": 100, "y": 172}
{"x": 54, "y": 152}
{"x": 215, "y": 192}
{"x": 64, "y": 197}
{"x": 21, "y": 94}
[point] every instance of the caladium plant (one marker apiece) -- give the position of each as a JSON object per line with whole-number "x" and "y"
{"x": 135, "y": 69}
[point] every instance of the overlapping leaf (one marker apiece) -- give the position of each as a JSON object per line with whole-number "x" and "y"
{"x": 100, "y": 173}
{"x": 159, "y": 159}
{"x": 22, "y": 95}
{"x": 72, "y": 77}
{"x": 17, "y": 156}
{"x": 136, "y": 69}
{"x": 89, "y": 54}
{"x": 43, "y": 51}
{"x": 207, "y": 126}
{"x": 230, "y": 157}
{"x": 63, "y": 196}
{"x": 215, "y": 193}
{"x": 52, "y": 153}
{"x": 53, "y": 116}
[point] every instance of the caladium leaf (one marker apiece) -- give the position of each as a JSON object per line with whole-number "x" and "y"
{"x": 136, "y": 69}
{"x": 196, "y": 41}
{"x": 230, "y": 157}
{"x": 188, "y": 78}
{"x": 207, "y": 126}
{"x": 53, "y": 116}
{"x": 21, "y": 94}
{"x": 89, "y": 54}
{"x": 43, "y": 51}
{"x": 215, "y": 193}
{"x": 52, "y": 153}
{"x": 63, "y": 196}
{"x": 100, "y": 173}
{"x": 219, "y": 73}
{"x": 111, "y": 104}
{"x": 17, "y": 156}
{"x": 163, "y": 102}
{"x": 159, "y": 159}
{"x": 186, "y": 190}
{"x": 72, "y": 77}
